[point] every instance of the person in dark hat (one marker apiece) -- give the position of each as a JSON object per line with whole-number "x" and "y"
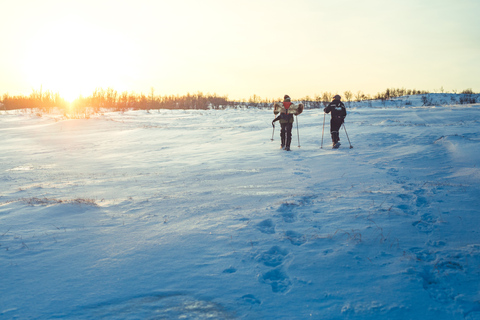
{"x": 338, "y": 113}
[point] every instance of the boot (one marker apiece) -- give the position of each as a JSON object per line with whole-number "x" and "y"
{"x": 335, "y": 139}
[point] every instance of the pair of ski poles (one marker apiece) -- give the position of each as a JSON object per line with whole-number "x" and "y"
{"x": 298, "y": 133}
{"x": 323, "y": 128}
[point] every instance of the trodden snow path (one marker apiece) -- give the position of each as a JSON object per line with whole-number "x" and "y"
{"x": 197, "y": 214}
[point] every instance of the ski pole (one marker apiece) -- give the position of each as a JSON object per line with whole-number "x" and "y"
{"x": 273, "y": 131}
{"x": 298, "y": 134}
{"x": 321, "y": 147}
{"x": 347, "y": 136}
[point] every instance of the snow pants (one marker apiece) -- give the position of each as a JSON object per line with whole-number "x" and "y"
{"x": 335, "y": 125}
{"x": 286, "y": 134}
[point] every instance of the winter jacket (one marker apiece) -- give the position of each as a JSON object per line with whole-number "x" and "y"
{"x": 286, "y": 110}
{"x": 337, "y": 109}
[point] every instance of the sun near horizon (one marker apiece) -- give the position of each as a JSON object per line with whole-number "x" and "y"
{"x": 74, "y": 58}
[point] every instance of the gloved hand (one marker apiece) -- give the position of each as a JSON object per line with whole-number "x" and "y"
{"x": 273, "y": 123}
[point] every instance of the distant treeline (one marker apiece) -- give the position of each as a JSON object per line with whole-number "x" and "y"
{"x": 36, "y": 100}
{"x": 112, "y": 100}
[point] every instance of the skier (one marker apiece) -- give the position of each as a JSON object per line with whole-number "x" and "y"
{"x": 286, "y": 109}
{"x": 338, "y": 112}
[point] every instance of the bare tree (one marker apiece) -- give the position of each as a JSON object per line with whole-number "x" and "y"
{"x": 348, "y": 95}
{"x": 359, "y": 96}
{"x": 326, "y": 98}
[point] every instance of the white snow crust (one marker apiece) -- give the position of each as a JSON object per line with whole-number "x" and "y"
{"x": 197, "y": 214}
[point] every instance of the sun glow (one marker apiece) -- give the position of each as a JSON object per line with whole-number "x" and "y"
{"x": 73, "y": 58}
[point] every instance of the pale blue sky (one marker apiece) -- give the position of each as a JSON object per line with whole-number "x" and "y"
{"x": 239, "y": 48}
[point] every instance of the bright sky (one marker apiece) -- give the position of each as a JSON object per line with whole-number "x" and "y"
{"x": 238, "y": 48}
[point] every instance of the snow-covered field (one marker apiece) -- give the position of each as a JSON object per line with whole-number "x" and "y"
{"x": 199, "y": 215}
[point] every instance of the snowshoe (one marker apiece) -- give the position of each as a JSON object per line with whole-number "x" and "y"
{"x": 336, "y": 145}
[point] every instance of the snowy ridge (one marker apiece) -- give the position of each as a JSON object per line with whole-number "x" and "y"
{"x": 425, "y": 100}
{"x": 197, "y": 214}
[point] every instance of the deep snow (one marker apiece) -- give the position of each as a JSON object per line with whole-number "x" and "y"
{"x": 197, "y": 214}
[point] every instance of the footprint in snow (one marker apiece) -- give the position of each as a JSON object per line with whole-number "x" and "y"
{"x": 423, "y": 255}
{"x": 251, "y": 299}
{"x": 327, "y": 251}
{"x": 266, "y": 226}
{"x": 405, "y": 196}
{"x": 287, "y": 213}
{"x": 300, "y": 172}
{"x": 392, "y": 172}
{"x": 406, "y": 209}
{"x": 421, "y": 202}
{"x": 426, "y": 224}
{"x": 277, "y": 279}
{"x": 445, "y": 277}
{"x": 295, "y": 238}
{"x": 289, "y": 217}
{"x": 230, "y": 270}
{"x": 436, "y": 280}
{"x": 273, "y": 257}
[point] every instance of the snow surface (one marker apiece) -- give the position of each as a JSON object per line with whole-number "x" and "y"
{"x": 199, "y": 215}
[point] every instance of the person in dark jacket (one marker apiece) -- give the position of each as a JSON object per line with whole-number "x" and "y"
{"x": 286, "y": 121}
{"x": 338, "y": 112}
